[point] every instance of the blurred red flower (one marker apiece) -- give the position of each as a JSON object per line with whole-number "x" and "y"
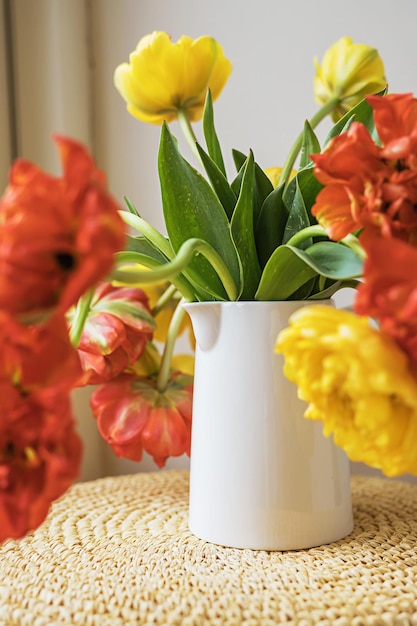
{"x": 40, "y": 452}
{"x": 117, "y": 328}
{"x": 132, "y": 416}
{"x": 40, "y": 455}
{"x": 38, "y": 355}
{"x": 367, "y": 185}
{"x": 57, "y": 235}
{"x": 389, "y": 292}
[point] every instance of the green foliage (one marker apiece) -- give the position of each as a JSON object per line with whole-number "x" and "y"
{"x": 267, "y": 242}
{"x": 210, "y": 135}
{"x": 310, "y": 145}
{"x": 242, "y": 229}
{"x": 192, "y": 210}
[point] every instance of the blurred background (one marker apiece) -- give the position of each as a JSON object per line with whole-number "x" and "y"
{"x": 57, "y": 59}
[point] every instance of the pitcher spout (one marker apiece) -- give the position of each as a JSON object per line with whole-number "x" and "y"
{"x": 205, "y": 318}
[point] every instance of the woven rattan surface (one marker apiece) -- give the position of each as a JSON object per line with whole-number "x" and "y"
{"x": 117, "y": 551}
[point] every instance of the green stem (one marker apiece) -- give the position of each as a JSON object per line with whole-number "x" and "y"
{"x": 306, "y": 233}
{"x": 168, "y": 271}
{"x": 188, "y": 132}
{"x": 80, "y": 316}
{"x": 354, "y": 244}
{"x": 151, "y": 233}
{"x": 173, "y": 330}
{"x": 133, "y": 277}
{"x": 327, "y": 108}
{"x": 168, "y": 294}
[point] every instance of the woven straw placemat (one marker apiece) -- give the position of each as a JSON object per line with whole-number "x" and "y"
{"x": 117, "y": 552}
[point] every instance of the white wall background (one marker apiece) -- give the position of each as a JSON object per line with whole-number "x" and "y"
{"x": 271, "y": 44}
{"x": 64, "y": 53}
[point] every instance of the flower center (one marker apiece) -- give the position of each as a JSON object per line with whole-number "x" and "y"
{"x": 65, "y": 260}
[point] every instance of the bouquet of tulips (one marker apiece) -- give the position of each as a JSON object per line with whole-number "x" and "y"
{"x": 91, "y": 294}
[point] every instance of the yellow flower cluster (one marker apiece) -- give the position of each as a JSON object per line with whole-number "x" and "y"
{"x": 357, "y": 382}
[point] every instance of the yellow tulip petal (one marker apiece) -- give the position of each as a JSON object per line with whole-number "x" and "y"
{"x": 357, "y": 381}
{"x": 149, "y": 362}
{"x": 274, "y": 174}
{"x": 163, "y": 77}
{"x": 183, "y": 363}
{"x": 350, "y": 71}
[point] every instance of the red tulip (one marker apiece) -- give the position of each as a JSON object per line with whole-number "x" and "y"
{"x": 115, "y": 333}
{"x": 132, "y": 416}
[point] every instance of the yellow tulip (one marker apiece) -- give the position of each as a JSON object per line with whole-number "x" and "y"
{"x": 356, "y": 381}
{"x": 163, "y": 77}
{"x": 349, "y": 71}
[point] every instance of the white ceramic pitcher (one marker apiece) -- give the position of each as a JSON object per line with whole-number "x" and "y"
{"x": 261, "y": 475}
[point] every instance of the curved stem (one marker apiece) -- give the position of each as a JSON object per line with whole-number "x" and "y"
{"x": 168, "y": 294}
{"x": 168, "y": 271}
{"x": 309, "y": 231}
{"x": 80, "y": 316}
{"x": 354, "y": 244}
{"x": 327, "y": 108}
{"x": 173, "y": 330}
{"x": 133, "y": 277}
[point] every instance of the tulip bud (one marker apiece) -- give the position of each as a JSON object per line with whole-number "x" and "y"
{"x": 349, "y": 71}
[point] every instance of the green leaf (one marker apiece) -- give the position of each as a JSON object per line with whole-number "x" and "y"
{"x": 289, "y": 269}
{"x": 283, "y": 275}
{"x": 239, "y": 159}
{"x": 309, "y": 188}
{"x": 131, "y": 207}
{"x": 192, "y": 209}
{"x": 242, "y": 230}
{"x": 219, "y": 182}
{"x": 212, "y": 142}
{"x": 331, "y": 259}
{"x": 262, "y": 188}
{"x": 302, "y": 190}
{"x": 271, "y": 223}
{"x": 298, "y": 217}
{"x": 310, "y": 145}
{"x": 143, "y": 246}
{"x": 329, "y": 291}
{"x": 305, "y": 291}
{"x": 362, "y": 113}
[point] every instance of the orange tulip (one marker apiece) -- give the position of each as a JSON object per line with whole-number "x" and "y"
{"x": 368, "y": 186}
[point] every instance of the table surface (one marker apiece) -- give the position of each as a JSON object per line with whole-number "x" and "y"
{"x": 118, "y": 552}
